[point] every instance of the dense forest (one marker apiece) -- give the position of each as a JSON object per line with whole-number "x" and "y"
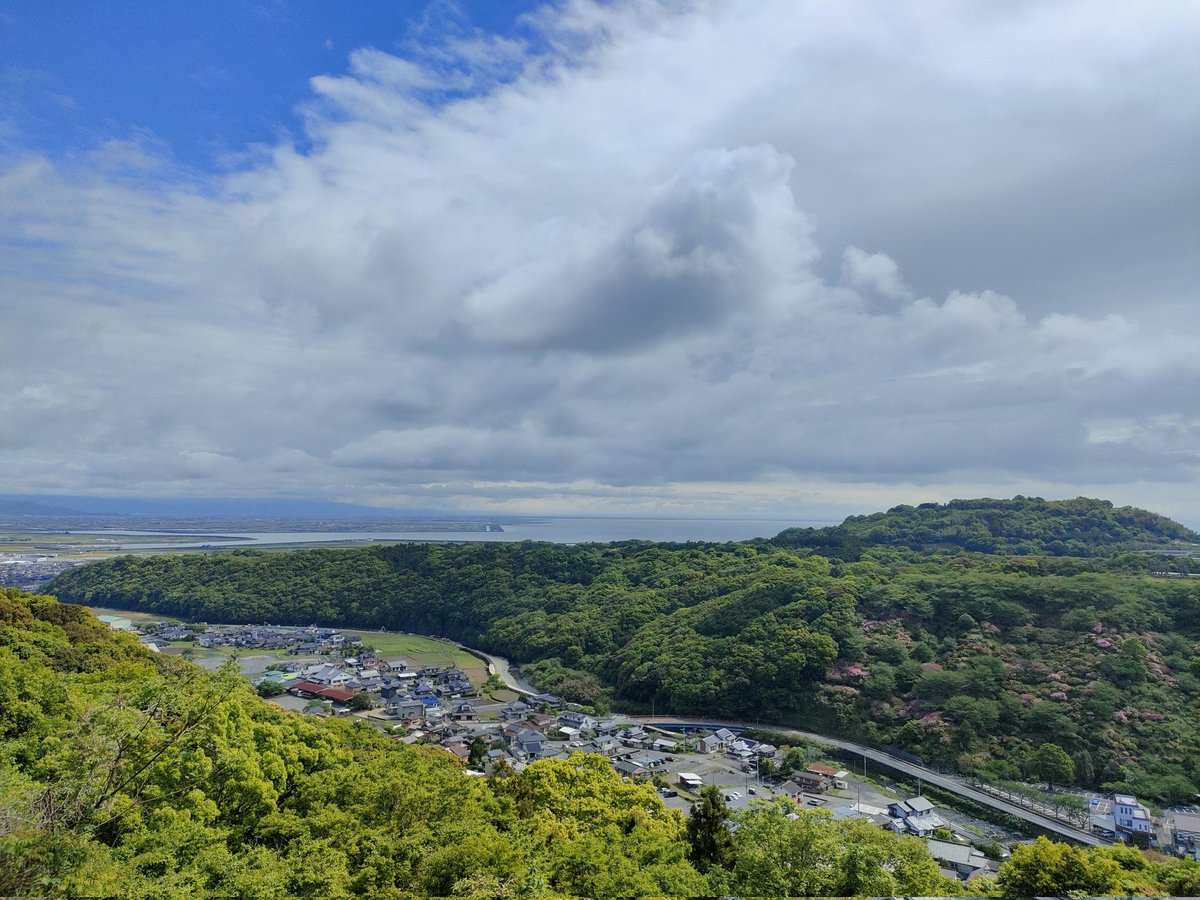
{"x": 970, "y": 660}
{"x": 126, "y": 773}
{"x": 1023, "y": 525}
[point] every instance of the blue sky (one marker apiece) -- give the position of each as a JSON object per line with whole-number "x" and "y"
{"x": 206, "y": 79}
{"x": 729, "y": 257}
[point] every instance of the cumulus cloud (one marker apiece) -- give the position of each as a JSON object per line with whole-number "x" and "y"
{"x": 625, "y": 269}
{"x": 875, "y": 272}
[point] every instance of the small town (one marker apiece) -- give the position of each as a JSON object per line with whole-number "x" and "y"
{"x": 440, "y": 706}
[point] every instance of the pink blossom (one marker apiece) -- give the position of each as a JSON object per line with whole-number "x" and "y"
{"x": 1103, "y": 644}
{"x": 1058, "y": 695}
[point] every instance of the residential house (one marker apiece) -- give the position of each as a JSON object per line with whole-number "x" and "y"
{"x": 528, "y": 744}
{"x": 330, "y": 676}
{"x": 405, "y": 708}
{"x": 918, "y": 815}
{"x": 718, "y": 741}
{"x": 864, "y": 812}
{"x": 811, "y": 782}
{"x": 605, "y": 746}
{"x": 493, "y": 757}
{"x": 541, "y": 721}
{"x": 789, "y": 789}
{"x": 392, "y": 689}
{"x": 1131, "y": 818}
{"x": 464, "y": 712}
{"x": 630, "y": 768}
{"x": 518, "y": 709}
{"x": 546, "y": 700}
{"x": 963, "y": 860}
{"x": 577, "y": 720}
{"x": 635, "y": 736}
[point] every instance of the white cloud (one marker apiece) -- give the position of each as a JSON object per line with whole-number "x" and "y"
{"x": 594, "y": 277}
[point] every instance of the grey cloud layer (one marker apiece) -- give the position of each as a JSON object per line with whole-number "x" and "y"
{"x": 705, "y": 257}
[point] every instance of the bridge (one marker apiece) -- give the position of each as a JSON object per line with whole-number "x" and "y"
{"x": 950, "y": 783}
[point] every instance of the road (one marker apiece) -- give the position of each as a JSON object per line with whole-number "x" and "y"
{"x": 950, "y": 783}
{"x": 500, "y": 666}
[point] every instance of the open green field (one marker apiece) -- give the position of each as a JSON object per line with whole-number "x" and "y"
{"x": 413, "y": 648}
{"x": 422, "y": 651}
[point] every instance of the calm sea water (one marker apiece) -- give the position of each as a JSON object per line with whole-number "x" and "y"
{"x": 559, "y": 531}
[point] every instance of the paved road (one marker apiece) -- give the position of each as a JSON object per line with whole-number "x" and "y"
{"x": 498, "y": 665}
{"x": 946, "y": 782}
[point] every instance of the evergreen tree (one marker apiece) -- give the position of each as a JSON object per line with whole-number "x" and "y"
{"x": 708, "y": 832}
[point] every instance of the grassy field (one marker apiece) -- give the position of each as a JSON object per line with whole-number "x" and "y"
{"x": 422, "y": 651}
{"x": 416, "y": 650}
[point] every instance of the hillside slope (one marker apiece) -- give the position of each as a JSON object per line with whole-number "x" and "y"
{"x": 1022, "y": 525}
{"x": 123, "y": 773}
{"x": 968, "y": 661}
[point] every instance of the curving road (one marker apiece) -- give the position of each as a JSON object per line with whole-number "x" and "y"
{"x": 945, "y": 782}
{"x": 498, "y": 665}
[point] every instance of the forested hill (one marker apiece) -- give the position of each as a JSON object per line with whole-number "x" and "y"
{"x": 129, "y": 774}
{"x": 1022, "y": 525}
{"x": 970, "y": 661}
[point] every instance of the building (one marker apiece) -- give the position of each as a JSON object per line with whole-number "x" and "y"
{"x": 577, "y": 720}
{"x": 1186, "y": 829}
{"x": 718, "y": 741}
{"x": 1131, "y": 819}
{"x": 811, "y": 782}
{"x": 960, "y": 860}
{"x": 918, "y": 816}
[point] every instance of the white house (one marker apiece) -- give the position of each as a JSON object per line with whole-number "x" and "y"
{"x": 918, "y": 815}
{"x": 1131, "y": 817}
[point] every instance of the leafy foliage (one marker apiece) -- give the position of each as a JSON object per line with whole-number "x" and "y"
{"x": 969, "y": 661}
{"x": 1023, "y": 525}
{"x": 126, "y": 773}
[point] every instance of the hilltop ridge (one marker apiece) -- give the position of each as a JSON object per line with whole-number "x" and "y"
{"x": 1082, "y": 526}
